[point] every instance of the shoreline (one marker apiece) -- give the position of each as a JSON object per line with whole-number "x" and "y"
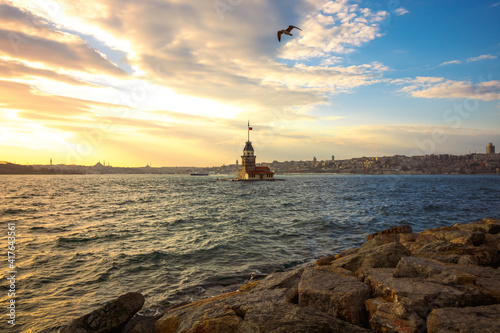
{"x": 397, "y": 281}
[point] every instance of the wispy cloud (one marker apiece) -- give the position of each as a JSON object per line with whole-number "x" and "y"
{"x": 401, "y": 11}
{"x": 436, "y": 87}
{"x": 481, "y": 57}
{"x": 451, "y": 62}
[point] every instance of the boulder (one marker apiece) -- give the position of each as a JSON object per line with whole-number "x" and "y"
{"x": 339, "y": 295}
{"x": 285, "y": 318}
{"x": 448, "y": 252}
{"x": 455, "y": 235}
{"x": 430, "y": 270}
{"x": 480, "y": 319}
{"x": 487, "y": 279}
{"x": 487, "y": 225}
{"x": 189, "y": 316}
{"x": 141, "y": 324}
{"x": 419, "y": 295}
{"x": 402, "y": 229}
{"x": 287, "y": 282}
{"x": 396, "y": 317}
{"x": 372, "y": 304}
{"x": 390, "y": 235}
{"x": 385, "y": 255}
{"x": 111, "y": 317}
{"x": 413, "y": 242}
{"x": 329, "y": 259}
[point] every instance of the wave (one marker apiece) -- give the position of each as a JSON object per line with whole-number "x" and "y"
{"x": 65, "y": 241}
{"x": 432, "y": 207}
{"x": 14, "y": 211}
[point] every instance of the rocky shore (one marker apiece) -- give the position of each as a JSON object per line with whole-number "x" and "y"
{"x": 439, "y": 280}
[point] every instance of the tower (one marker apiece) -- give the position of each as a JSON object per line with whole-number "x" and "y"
{"x": 248, "y": 157}
{"x": 490, "y": 148}
{"x": 249, "y": 171}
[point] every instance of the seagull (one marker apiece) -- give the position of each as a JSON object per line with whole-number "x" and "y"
{"x": 287, "y": 31}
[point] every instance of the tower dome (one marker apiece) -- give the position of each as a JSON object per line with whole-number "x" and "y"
{"x": 248, "y": 146}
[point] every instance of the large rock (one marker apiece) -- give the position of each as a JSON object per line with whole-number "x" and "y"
{"x": 480, "y": 319}
{"x": 288, "y": 282}
{"x": 339, "y": 295}
{"x": 285, "y": 318}
{"x": 395, "y": 317}
{"x": 402, "y": 229}
{"x": 455, "y": 235}
{"x": 487, "y": 225}
{"x": 385, "y": 256}
{"x": 413, "y": 242}
{"x": 487, "y": 279}
{"x": 449, "y": 252}
{"x": 217, "y": 312}
{"x": 417, "y": 294}
{"x": 329, "y": 259}
{"x": 430, "y": 270}
{"x": 111, "y": 317}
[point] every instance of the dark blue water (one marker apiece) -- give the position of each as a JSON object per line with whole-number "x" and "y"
{"x": 83, "y": 240}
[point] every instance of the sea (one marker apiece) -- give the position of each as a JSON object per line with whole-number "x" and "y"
{"x": 83, "y": 240}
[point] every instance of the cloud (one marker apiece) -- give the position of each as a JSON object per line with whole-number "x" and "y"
{"x": 29, "y": 38}
{"x": 231, "y": 59}
{"x": 451, "y": 62}
{"x": 338, "y": 28}
{"x": 19, "y": 96}
{"x": 482, "y": 57}
{"x": 13, "y": 69}
{"x": 436, "y": 87}
{"x": 401, "y": 11}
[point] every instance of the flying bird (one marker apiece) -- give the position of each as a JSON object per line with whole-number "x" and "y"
{"x": 287, "y": 31}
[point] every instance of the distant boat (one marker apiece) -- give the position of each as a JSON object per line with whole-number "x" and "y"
{"x": 199, "y": 174}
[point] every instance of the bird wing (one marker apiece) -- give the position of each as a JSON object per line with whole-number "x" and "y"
{"x": 290, "y": 27}
{"x": 279, "y": 36}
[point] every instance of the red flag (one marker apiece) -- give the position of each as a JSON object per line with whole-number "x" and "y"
{"x": 250, "y": 128}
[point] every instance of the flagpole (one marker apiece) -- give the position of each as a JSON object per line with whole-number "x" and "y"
{"x": 248, "y": 130}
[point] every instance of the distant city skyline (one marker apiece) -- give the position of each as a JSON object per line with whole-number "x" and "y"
{"x": 171, "y": 83}
{"x": 490, "y": 148}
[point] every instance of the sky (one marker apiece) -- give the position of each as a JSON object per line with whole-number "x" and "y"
{"x": 175, "y": 82}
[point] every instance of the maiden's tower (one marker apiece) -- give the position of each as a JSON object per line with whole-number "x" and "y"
{"x": 249, "y": 171}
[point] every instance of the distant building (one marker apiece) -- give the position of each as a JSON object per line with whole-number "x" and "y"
{"x": 249, "y": 171}
{"x": 490, "y": 149}
{"x": 333, "y": 157}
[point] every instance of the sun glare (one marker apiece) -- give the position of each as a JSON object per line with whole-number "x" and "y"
{"x": 32, "y": 135}
{"x": 140, "y": 95}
